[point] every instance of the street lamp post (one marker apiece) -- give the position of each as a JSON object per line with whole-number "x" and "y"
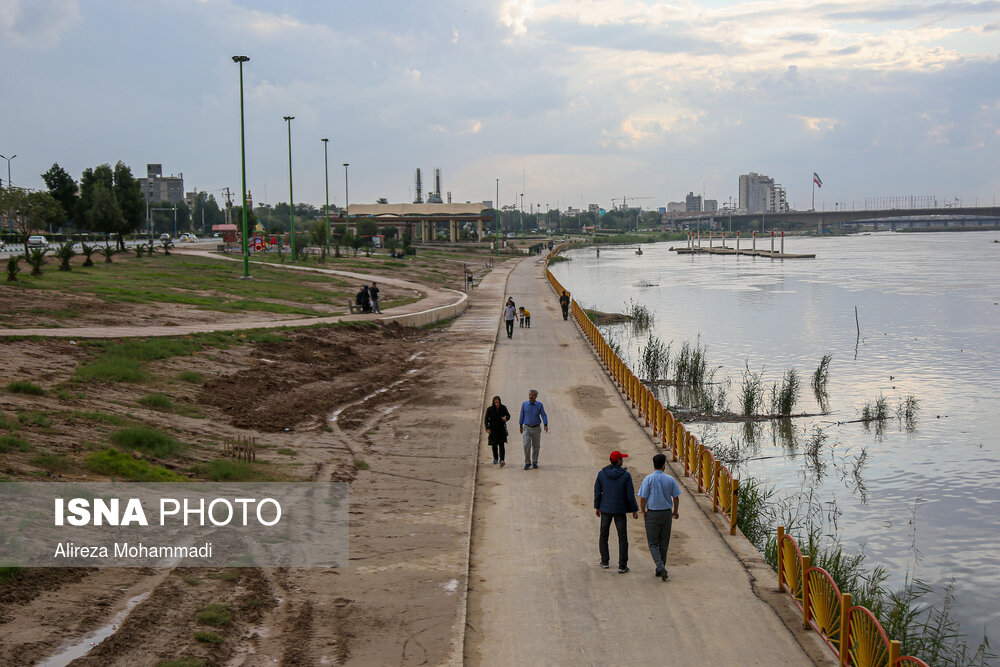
{"x": 496, "y": 222}
{"x": 8, "y": 166}
{"x": 291, "y": 199}
{"x": 243, "y": 162}
{"x": 326, "y": 207}
{"x": 521, "y": 215}
{"x": 347, "y": 199}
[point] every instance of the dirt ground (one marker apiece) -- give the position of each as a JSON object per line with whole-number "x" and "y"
{"x": 355, "y": 403}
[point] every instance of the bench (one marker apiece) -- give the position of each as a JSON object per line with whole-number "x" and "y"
{"x": 355, "y": 308}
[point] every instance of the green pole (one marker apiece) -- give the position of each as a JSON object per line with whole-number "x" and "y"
{"x": 326, "y": 206}
{"x": 291, "y": 199}
{"x": 243, "y": 161}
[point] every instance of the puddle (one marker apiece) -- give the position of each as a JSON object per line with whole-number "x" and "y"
{"x": 83, "y": 646}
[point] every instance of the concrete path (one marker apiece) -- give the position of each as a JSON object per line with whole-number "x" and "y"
{"x": 537, "y": 595}
{"x": 432, "y": 298}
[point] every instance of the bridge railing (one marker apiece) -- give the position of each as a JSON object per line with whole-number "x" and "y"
{"x": 852, "y": 632}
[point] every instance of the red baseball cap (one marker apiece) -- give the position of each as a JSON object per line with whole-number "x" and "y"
{"x": 617, "y": 456}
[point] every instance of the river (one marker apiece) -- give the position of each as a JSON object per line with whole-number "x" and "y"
{"x": 921, "y": 499}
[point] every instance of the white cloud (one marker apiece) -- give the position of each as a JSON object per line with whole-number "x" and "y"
{"x": 515, "y": 14}
{"x": 36, "y": 23}
{"x": 817, "y": 124}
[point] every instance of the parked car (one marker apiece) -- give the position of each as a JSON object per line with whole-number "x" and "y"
{"x": 164, "y": 237}
{"x": 38, "y": 241}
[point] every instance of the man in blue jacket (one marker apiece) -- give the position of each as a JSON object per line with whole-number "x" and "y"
{"x": 614, "y": 497}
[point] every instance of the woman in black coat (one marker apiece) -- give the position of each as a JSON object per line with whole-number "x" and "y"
{"x": 496, "y": 420}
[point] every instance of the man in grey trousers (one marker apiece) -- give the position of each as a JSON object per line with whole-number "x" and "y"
{"x": 530, "y": 424}
{"x": 659, "y": 500}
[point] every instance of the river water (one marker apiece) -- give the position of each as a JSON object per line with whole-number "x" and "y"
{"x": 920, "y": 498}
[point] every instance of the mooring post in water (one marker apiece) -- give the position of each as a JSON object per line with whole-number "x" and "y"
{"x": 754, "y": 248}
{"x": 857, "y": 322}
{"x": 710, "y": 237}
{"x": 772, "y": 243}
{"x": 782, "y": 242}
{"x": 737, "y": 243}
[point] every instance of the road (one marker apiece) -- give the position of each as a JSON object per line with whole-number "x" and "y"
{"x": 537, "y": 595}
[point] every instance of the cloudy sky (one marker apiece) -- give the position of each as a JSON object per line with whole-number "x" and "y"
{"x": 567, "y": 101}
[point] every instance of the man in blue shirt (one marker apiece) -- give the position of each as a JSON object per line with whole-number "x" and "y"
{"x": 659, "y": 498}
{"x": 530, "y": 425}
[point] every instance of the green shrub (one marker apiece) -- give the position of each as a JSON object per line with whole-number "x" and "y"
{"x": 25, "y": 387}
{"x": 146, "y": 439}
{"x": 215, "y": 614}
{"x": 53, "y": 462}
{"x": 112, "y": 369}
{"x": 360, "y": 465}
{"x": 9, "y": 443}
{"x": 101, "y": 417}
{"x": 158, "y": 401}
{"x": 208, "y": 637}
{"x": 34, "y": 418}
{"x": 192, "y": 377}
{"x": 229, "y": 471}
{"x": 114, "y": 463}
{"x": 9, "y": 573}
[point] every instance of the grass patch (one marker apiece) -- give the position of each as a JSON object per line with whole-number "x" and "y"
{"x": 33, "y": 418}
{"x": 10, "y": 443}
{"x": 230, "y": 471}
{"x": 100, "y": 417}
{"x": 182, "y": 662}
{"x": 25, "y": 387}
{"x": 148, "y": 440}
{"x": 157, "y": 401}
{"x": 53, "y": 462}
{"x": 114, "y": 463}
{"x": 192, "y": 377}
{"x": 225, "y": 576}
{"x": 9, "y": 424}
{"x": 190, "y": 580}
{"x": 215, "y": 614}
{"x": 286, "y": 451}
{"x": 360, "y": 465}
{"x": 9, "y": 573}
{"x": 207, "y": 637}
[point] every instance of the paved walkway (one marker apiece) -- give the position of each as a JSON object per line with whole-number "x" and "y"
{"x": 433, "y": 297}
{"x": 537, "y": 595}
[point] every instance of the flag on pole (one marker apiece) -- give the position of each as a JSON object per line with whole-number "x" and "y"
{"x": 817, "y": 180}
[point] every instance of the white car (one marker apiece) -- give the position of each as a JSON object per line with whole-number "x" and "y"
{"x": 38, "y": 241}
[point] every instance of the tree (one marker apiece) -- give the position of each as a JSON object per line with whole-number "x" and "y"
{"x": 128, "y": 194}
{"x": 104, "y": 214}
{"x": 30, "y": 211}
{"x": 62, "y": 187}
{"x": 90, "y": 178}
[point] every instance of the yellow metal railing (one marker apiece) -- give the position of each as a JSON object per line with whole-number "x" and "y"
{"x": 852, "y": 632}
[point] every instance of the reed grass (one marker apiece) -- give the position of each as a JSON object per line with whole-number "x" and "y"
{"x": 654, "y": 359}
{"x": 691, "y": 365}
{"x": 786, "y": 394}
{"x": 822, "y": 374}
{"x": 877, "y": 410}
{"x": 640, "y": 317}
{"x": 751, "y": 392}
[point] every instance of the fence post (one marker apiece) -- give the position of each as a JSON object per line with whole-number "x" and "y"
{"x": 699, "y": 452}
{"x": 894, "y": 645}
{"x": 715, "y": 486}
{"x": 781, "y": 559}
{"x": 735, "y": 507}
{"x": 806, "y": 563}
{"x": 845, "y": 629}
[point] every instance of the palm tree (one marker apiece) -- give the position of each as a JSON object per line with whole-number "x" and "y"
{"x": 36, "y": 258}
{"x": 65, "y": 253}
{"x": 88, "y": 250}
{"x": 12, "y": 267}
{"x": 167, "y": 245}
{"x": 108, "y": 251}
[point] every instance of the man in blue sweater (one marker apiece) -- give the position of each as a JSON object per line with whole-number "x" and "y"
{"x": 614, "y": 497}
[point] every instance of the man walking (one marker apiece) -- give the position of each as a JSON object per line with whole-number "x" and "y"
{"x": 530, "y": 425}
{"x": 614, "y": 497}
{"x": 659, "y": 497}
{"x": 373, "y": 293}
{"x": 564, "y": 304}
{"x": 509, "y": 313}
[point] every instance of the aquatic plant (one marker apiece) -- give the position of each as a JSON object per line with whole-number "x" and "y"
{"x": 751, "y": 392}
{"x": 640, "y": 317}
{"x": 691, "y": 366}
{"x": 786, "y": 394}
{"x": 822, "y": 374}
{"x": 654, "y": 361}
{"x": 877, "y": 410}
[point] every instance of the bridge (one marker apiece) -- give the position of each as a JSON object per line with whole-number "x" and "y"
{"x": 888, "y": 219}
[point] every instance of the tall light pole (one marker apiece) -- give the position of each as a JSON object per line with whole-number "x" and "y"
{"x": 347, "y": 199}
{"x": 496, "y": 222}
{"x": 8, "y": 166}
{"x": 326, "y": 207}
{"x": 521, "y": 215}
{"x": 243, "y": 162}
{"x": 291, "y": 199}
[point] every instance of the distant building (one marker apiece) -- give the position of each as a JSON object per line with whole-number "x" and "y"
{"x": 676, "y": 207}
{"x": 159, "y": 188}
{"x": 760, "y": 194}
{"x": 692, "y": 202}
{"x": 711, "y": 205}
{"x": 593, "y": 208}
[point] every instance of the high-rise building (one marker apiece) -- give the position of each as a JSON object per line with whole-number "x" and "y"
{"x": 711, "y": 205}
{"x": 777, "y": 201}
{"x": 692, "y": 202}
{"x": 676, "y": 207}
{"x": 754, "y": 192}
{"x": 159, "y": 188}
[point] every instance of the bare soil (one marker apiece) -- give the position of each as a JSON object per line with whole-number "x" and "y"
{"x": 356, "y": 403}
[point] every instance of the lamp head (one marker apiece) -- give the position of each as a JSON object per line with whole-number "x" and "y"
{"x": 240, "y": 59}
{"x": 324, "y": 140}
{"x": 289, "y": 117}
{"x": 347, "y": 164}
